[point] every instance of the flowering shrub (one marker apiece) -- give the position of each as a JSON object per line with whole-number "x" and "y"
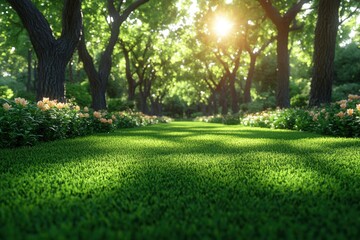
{"x": 338, "y": 119}
{"x": 23, "y": 123}
{"x": 228, "y": 119}
{"x": 210, "y": 119}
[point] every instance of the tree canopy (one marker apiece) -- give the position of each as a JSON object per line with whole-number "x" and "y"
{"x": 177, "y": 57}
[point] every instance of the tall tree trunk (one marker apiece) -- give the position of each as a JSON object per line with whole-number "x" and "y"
{"x": 233, "y": 94}
{"x": 35, "y": 76}
{"x": 324, "y": 52}
{"x": 143, "y": 102}
{"x": 29, "y": 75}
{"x": 223, "y": 96}
{"x": 99, "y": 78}
{"x": 71, "y": 72}
{"x": 98, "y": 99}
{"x": 53, "y": 54}
{"x": 249, "y": 79}
{"x": 129, "y": 76}
{"x": 283, "y": 68}
{"x": 212, "y": 103}
{"x": 282, "y": 23}
{"x": 51, "y": 70}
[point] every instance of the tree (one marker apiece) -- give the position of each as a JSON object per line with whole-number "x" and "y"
{"x": 324, "y": 52}
{"x": 284, "y": 24}
{"x": 99, "y": 77}
{"x": 53, "y": 54}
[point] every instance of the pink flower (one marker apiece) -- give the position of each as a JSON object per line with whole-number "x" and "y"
{"x": 6, "y": 106}
{"x": 103, "y": 120}
{"x": 51, "y": 104}
{"x": 97, "y": 114}
{"x": 60, "y": 105}
{"x": 21, "y": 101}
{"x": 350, "y": 111}
{"x": 340, "y": 114}
{"x": 86, "y": 109}
{"x": 353, "y": 97}
{"x": 341, "y": 102}
{"x": 358, "y": 107}
{"x": 110, "y": 121}
{"x": 40, "y": 104}
{"x": 343, "y": 105}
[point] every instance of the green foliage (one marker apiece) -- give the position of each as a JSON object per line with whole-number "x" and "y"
{"x": 209, "y": 119}
{"x": 79, "y": 93}
{"x": 6, "y": 92}
{"x": 119, "y": 104}
{"x": 262, "y": 102}
{"x": 342, "y": 91}
{"x": 347, "y": 64}
{"x": 22, "y": 123}
{"x": 338, "y": 119}
{"x": 183, "y": 180}
{"x": 231, "y": 119}
{"x": 299, "y": 100}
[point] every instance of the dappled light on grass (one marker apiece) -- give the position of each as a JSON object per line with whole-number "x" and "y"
{"x": 183, "y": 180}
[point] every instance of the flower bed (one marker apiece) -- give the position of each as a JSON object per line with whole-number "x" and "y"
{"x": 338, "y": 119}
{"x": 23, "y": 123}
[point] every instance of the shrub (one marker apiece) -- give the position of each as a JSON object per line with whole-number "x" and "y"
{"x": 231, "y": 119}
{"x": 23, "y": 123}
{"x": 79, "y": 93}
{"x": 6, "y": 92}
{"x": 338, "y": 119}
{"x": 117, "y": 104}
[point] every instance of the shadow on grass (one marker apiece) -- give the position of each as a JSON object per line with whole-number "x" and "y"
{"x": 152, "y": 191}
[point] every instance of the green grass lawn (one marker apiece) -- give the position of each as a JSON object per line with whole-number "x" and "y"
{"x": 183, "y": 180}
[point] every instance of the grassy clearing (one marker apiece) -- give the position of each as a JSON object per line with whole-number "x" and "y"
{"x": 183, "y": 180}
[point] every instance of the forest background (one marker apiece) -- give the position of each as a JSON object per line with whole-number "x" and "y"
{"x": 185, "y": 58}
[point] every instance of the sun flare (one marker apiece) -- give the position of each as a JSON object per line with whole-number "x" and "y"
{"x": 222, "y": 26}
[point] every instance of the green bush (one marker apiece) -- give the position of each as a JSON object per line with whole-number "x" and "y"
{"x": 262, "y": 103}
{"x": 342, "y": 91}
{"x": 299, "y": 100}
{"x": 231, "y": 119}
{"x": 23, "y": 123}
{"x": 118, "y": 104}
{"x": 338, "y": 119}
{"x": 79, "y": 93}
{"x": 6, "y": 92}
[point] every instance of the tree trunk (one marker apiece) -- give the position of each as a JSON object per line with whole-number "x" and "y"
{"x": 223, "y": 96}
{"x": 212, "y": 103}
{"x": 71, "y": 73}
{"x": 29, "y": 75}
{"x": 53, "y": 54}
{"x": 143, "y": 103}
{"x": 233, "y": 94}
{"x": 249, "y": 79}
{"x": 51, "y": 70}
{"x": 36, "y": 82}
{"x": 283, "y": 68}
{"x": 99, "y": 79}
{"x": 282, "y": 23}
{"x": 324, "y": 52}
{"x": 98, "y": 96}
{"x": 129, "y": 77}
